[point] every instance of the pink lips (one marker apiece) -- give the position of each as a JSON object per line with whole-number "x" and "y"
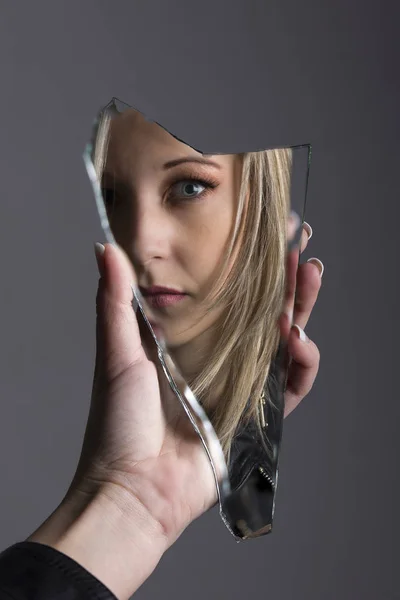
{"x": 161, "y": 297}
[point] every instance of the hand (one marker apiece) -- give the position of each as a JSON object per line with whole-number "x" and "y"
{"x": 139, "y": 444}
{"x": 143, "y": 474}
{"x": 303, "y": 285}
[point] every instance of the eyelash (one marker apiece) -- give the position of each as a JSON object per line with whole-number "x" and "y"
{"x": 208, "y": 183}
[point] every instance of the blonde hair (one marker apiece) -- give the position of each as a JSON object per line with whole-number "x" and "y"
{"x": 252, "y": 291}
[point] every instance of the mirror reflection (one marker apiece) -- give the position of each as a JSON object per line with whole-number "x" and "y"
{"x": 213, "y": 242}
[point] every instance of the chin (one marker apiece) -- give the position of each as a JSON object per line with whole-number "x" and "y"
{"x": 174, "y": 340}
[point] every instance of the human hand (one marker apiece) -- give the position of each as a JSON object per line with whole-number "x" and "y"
{"x": 139, "y": 448}
{"x": 303, "y": 285}
{"x": 143, "y": 474}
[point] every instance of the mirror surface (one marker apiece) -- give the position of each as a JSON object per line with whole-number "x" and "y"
{"x": 214, "y": 244}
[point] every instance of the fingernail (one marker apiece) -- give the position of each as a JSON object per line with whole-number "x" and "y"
{"x": 308, "y": 229}
{"x": 318, "y": 264}
{"x": 301, "y": 333}
{"x": 99, "y": 251}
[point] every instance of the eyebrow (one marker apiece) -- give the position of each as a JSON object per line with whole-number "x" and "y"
{"x": 179, "y": 161}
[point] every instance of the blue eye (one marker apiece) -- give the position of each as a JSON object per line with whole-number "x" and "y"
{"x": 188, "y": 189}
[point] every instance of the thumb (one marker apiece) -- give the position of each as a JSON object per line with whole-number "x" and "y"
{"x": 118, "y": 339}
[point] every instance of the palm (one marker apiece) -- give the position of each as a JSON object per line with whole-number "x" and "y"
{"x": 138, "y": 436}
{"x": 148, "y": 444}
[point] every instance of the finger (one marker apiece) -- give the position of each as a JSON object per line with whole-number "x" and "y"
{"x": 303, "y": 368}
{"x": 292, "y": 265}
{"x": 292, "y": 260}
{"x": 293, "y": 224}
{"x": 118, "y": 338}
{"x": 305, "y": 236}
{"x": 308, "y": 284}
{"x": 125, "y": 339}
{"x": 285, "y": 321}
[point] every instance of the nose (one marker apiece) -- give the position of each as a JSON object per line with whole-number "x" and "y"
{"x": 150, "y": 234}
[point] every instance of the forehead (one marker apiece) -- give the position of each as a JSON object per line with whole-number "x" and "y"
{"x": 133, "y": 139}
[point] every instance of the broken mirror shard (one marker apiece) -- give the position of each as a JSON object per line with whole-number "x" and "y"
{"x": 214, "y": 244}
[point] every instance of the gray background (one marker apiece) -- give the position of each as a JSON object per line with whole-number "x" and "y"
{"x": 232, "y": 73}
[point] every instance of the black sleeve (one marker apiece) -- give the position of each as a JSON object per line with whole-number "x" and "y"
{"x": 33, "y": 571}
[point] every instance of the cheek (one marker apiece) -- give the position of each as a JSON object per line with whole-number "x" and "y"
{"x": 207, "y": 235}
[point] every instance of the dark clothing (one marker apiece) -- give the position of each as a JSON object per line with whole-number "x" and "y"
{"x": 33, "y": 571}
{"x": 253, "y": 467}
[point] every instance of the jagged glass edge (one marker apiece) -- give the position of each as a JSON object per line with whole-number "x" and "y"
{"x": 185, "y": 396}
{"x": 181, "y": 389}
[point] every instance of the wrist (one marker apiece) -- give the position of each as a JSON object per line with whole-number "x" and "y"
{"x": 108, "y": 533}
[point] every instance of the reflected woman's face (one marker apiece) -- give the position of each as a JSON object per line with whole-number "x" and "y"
{"x": 172, "y": 210}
